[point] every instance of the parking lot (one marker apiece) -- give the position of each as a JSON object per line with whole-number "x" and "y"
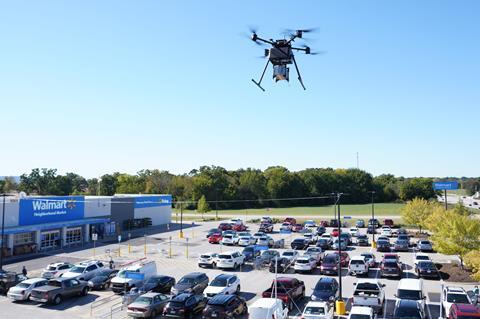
{"x": 176, "y": 257}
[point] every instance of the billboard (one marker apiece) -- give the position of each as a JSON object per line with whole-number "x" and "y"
{"x": 153, "y": 201}
{"x": 41, "y": 210}
{"x": 445, "y": 186}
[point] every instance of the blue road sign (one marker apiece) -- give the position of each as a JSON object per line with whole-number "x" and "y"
{"x": 445, "y": 186}
{"x": 347, "y": 217}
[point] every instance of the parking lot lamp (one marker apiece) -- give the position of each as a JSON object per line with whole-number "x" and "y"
{"x": 374, "y": 244}
{"x": 3, "y": 231}
{"x": 181, "y": 220}
{"x": 340, "y": 305}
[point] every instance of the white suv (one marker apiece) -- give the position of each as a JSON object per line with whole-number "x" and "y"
{"x": 54, "y": 270}
{"x": 208, "y": 260}
{"x": 386, "y": 231}
{"x": 229, "y": 239}
{"x": 230, "y": 260}
{"x": 84, "y": 270}
{"x": 451, "y": 295}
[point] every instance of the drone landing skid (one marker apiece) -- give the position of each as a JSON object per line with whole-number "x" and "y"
{"x": 258, "y": 84}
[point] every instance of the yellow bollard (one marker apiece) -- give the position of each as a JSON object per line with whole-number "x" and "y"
{"x": 186, "y": 249}
{"x": 129, "y": 248}
{"x": 340, "y": 307}
{"x": 374, "y": 244}
{"x": 180, "y": 234}
{"x": 170, "y": 247}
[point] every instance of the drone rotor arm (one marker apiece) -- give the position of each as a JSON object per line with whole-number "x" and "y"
{"x": 263, "y": 40}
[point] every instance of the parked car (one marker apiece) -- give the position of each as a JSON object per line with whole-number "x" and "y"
{"x": 305, "y": 264}
{"x": 388, "y": 222}
{"x": 329, "y": 265}
{"x": 324, "y": 243}
{"x": 259, "y": 234}
{"x": 320, "y": 230}
{"x": 159, "y": 283}
{"x": 22, "y": 291}
{"x": 286, "y": 289}
{"x": 360, "y": 223}
{"x": 230, "y": 259}
{"x": 424, "y": 246}
{"x": 334, "y": 232}
{"x": 229, "y": 239}
{"x": 280, "y": 265}
{"x": 290, "y": 220}
{"x": 265, "y": 241}
{"x": 84, "y": 270}
{"x": 386, "y": 231}
{"x": 411, "y": 289}
{"x": 453, "y": 295}
{"x": 383, "y": 245}
{"x": 333, "y": 223}
{"x": 54, "y": 270}
{"x": 314, "y": 252}
{"x": 251, "y": 252}
{"x": 371, "y": 229}
{"x": 246, "y": 240}
{"x": 326, "y": 289}
{"x": 122, "y": 282}
{"x": 407, "y": 309}
{"x": 299, "y": 243}
{"x": 324, "y": 223}
{"x": 229, "y": 232}
{"x": 464, "y": 311}
{"x": 9, "y": 279}
{"x": 345, "y": 258}
{"x": 339, "y": 241}
{"x": 223, "y": 284}
{"x": 318, "y": 310}
{"x": 208, "y": 260}
{"x": 358, "y": 312}
{"x": 358, "y": 266}
{"x": 148, "y": 305}
{"x": 404, "y": 237}
{"x": 292, "y": 255}
{"x": 239, "y": 227}
{"x": 370, "y": 259}
{"x": 268, "y": 308}
{"x": 266, "y": 219}
{"x": 347, "y": 237}
{"x": 102, "y": 279}
{"x": 225, "y": 306}
{"x": 56, "y": 290}
{"x": 215, "y": 238}
{"x": 213, "y": 231}
{"x": 401, "y": 245}
{"x": 225, "y": 226}
{"x": 353, "y": 231}
{"x": 311, "y": 238}
{"x": 297, "y": 228}
{"x": 369, "y": 293}
{"x": 286, "y": 227}
{"x": 266, "y": 227}
{"x": 185, "y": 305}
{"x": 194, "y": 282}
{"x": 374, "y": 222}
{"x": 427, "y": 269}
{"x": 362, "y": 240}
{"x": 391, "y": 269}
{"x": 267, "y": 256}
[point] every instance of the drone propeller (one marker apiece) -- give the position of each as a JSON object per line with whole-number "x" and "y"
{"x": 299, "y": 33}
{"x": 308, "y": 51}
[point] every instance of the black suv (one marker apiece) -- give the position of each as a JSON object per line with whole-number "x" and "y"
{"x": 195, "y": 282}
{"x": 225, "y": 306}
{"x": 362, "y": 240}
{"x": 299, "y": 244}
{"x": 326, "y": 289}
{"x": 185, "y": 305}
{"x": 281, "y": 264}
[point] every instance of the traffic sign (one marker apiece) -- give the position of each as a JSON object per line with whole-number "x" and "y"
{"x": 445, "y": 186}
{"x": 347, "y": 217}
{"x": 119, "y": 238}
{"x": 94, "y": 237}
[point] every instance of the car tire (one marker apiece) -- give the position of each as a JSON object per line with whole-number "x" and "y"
{"x": 84, "y": 291}
{"x": 235, "y": 266}
{"x": 57, "y": 300}
{"x": 153, "y": 314}
{"x": 238, "y": 289}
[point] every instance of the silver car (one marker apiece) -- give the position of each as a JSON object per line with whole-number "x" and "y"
{"x": 22, "y": 291}
{"x": 424, "y": 245}
{"x": 148, "y": 305}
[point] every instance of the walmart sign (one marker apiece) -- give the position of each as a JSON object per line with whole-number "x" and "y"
{"x": 153, "y": 201}
{"x": 40, "y": 210}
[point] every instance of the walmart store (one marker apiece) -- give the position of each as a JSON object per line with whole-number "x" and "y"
{"x": 34, "y": 223}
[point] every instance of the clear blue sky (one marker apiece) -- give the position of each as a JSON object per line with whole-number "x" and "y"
{"x": 103, "y": 86}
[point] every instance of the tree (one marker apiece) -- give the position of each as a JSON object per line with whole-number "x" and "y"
{"x": 129, "y": 184}
{"x": 8, "y": 184}
{"x": 108, "y": 184}
{"x": 92, "y": 187}
{"x": 472, "y": 261}
{"x": 41, "y": 182}
{"x": 457, "y": 235}
{"x": 202, "y": 205}
{"x": 417, "y": 187}
{"x": 417, "y": 211}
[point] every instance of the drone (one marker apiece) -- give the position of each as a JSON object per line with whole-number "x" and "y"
{"x": 281, "y": 55}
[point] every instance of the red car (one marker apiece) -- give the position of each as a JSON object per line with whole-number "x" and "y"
{"x": 345, "y": 258}
{"x": 391, "y": 257}
{"x": 324, "y": 223}
{"x": 297, "y": 228}
{"x": 334, "y": 233}
{"x": 225, "y": 226}
{"x": 290, "y": 220}
{"x": 388, "y": 222}
{"x": 239, "y": 227}
{"x": 460, "y": 311}
{"x": 215, "y": 238}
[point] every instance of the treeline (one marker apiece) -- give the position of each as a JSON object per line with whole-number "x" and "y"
{"x": 243, "y": 188}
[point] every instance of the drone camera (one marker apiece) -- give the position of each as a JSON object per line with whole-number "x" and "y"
{"x": 280, "y": 72}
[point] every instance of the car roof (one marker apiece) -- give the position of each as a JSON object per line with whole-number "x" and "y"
{"x": 182, "y": 296}
{"x": 58, "y": 264}
{"x": 468, "y": 308}
{"x": 150, "y": 294}
{"x": 221, "y": 299}
{"x": 194, "y": 274}
{"x": 265, "y": 303}
{"x": 316, "y": 304}
{"x": 410, "y": 284}
{"x": 326, "y": 280}
{"x": 225, "y": 276}
{"x": 361, "y": 310}
{"x": 358, "y": 258}
{"x": 33, "y": 280}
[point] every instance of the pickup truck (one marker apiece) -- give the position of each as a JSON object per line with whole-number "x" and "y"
{"x": 287, "y": 289}
{"x": 9, "y": 279}
{"x": 58, "y": 289}
{"x": 369, "y": 293}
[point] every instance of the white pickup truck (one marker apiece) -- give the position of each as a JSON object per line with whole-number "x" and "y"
{"x": 369, "y": 293}
{"x": 358, "y": 266}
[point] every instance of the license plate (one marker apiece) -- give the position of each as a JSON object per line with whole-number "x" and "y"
{"x": 429, "y": 271}
{"x": 214, "y": 314}
{"x": 172, "y": 311}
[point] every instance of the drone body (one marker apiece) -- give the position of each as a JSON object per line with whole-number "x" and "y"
{"x": 281, "y": 55}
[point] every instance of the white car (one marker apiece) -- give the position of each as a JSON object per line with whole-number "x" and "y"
{"x": 353, "y": 231}
{"x": 246, "y": 240}
{"x": 327, "y": 236}
{"x": 358, "y": 266}
{"x": 362, "y": 312}
{"x": 386, "y": 231}
{"x": 305, "y": 264}
{"x": 208, "y": 260}
{"x": 230, "y": 260}
{"x": 55, "y": 270}
{"x": 420, "y": 257}
{"x": 244, "y": 233}
{"x": 229, "y": 239}
{"x": 291, "y": 255}
{"x": 286, "y": 227}
{"x": 312, "y": 239}
{"x": 223, "y": 284}
{"x": 451, "y": 295}
{"x": 22, "y": 291}
{"x": 259, "y": 234}
{"x": 84, "y": 271}
{"x": 370, "y": 259}
{"x": 268, "y": 308}
{"x": 318, "y": 310}
{"x": 235, "y": 221}
{"x": 314, "y": 252}
{"x": 265, "y": 241}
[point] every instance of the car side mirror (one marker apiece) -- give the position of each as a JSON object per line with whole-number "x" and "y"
{"x": 383, "y": 285}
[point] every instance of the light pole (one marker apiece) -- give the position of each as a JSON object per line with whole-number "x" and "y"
{"x": 216, "y": 203}
{"x": 181, "y": 220}
{"x": 340, "y": 305}
{"x": 374, "y": 245}
{"x": 3, "y": 230}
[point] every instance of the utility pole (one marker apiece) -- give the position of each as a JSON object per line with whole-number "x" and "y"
{"x": 358, "y": 166}
{"x": 339, "y": 304}
{"x": 3, "y": 230}
{"x": 374, "y": 244}
{"x": 216, "y": 203}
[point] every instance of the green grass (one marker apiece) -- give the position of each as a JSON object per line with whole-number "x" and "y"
{"x": 382, "y": 209}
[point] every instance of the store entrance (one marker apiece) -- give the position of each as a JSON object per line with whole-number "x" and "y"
{"x": 50, "y": 240}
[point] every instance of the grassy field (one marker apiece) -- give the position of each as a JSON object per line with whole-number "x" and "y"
{"x": 382, "y": 209}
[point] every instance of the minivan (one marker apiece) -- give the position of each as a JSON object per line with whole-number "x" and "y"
{"x": 412, "y": 289}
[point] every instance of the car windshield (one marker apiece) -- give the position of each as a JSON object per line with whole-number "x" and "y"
{"x": 310, "y": 310}
{"x": 219, "y": 282}
{"x": 367, "y": 286}
{"x": 409, "y": 294}
{"x": 248, "y": 249}
{"x": 323, "y": 241}
{"x": 143, "y": 300}
{"x": 51, "y": 268}
{"x": 268, "y": 253}
{"x": 424, "y": 242}
{"x": 302, "y": 261}
{"x": 154, "y": 280}
{"x": 55, "y": 283}
{"x": 426, "y": 265}
{"x": 330, "y": 260}
{"x": 390, "y": 264}
{"x": 312, "y": 250}
{"x": 23, "y": 285}
{"x": 407, "y": 313}
{"x": 288, "y": 253}
{"x": 423, "y": 258}
{"x": 77, "y": 269}
{"x": 357, "y": 262}
{"x": 186, "y": 280}
{"x": 104, "y": 272}
{"x": 367, "y": 256}
{"x": 359, "y": 316}
{"x": 225, "y": 256}
{"x": 205, "y": 256}
{"x": 457, "y": 298}
{"x": 323, "y": 286}
{"x": 228, "y": 236}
